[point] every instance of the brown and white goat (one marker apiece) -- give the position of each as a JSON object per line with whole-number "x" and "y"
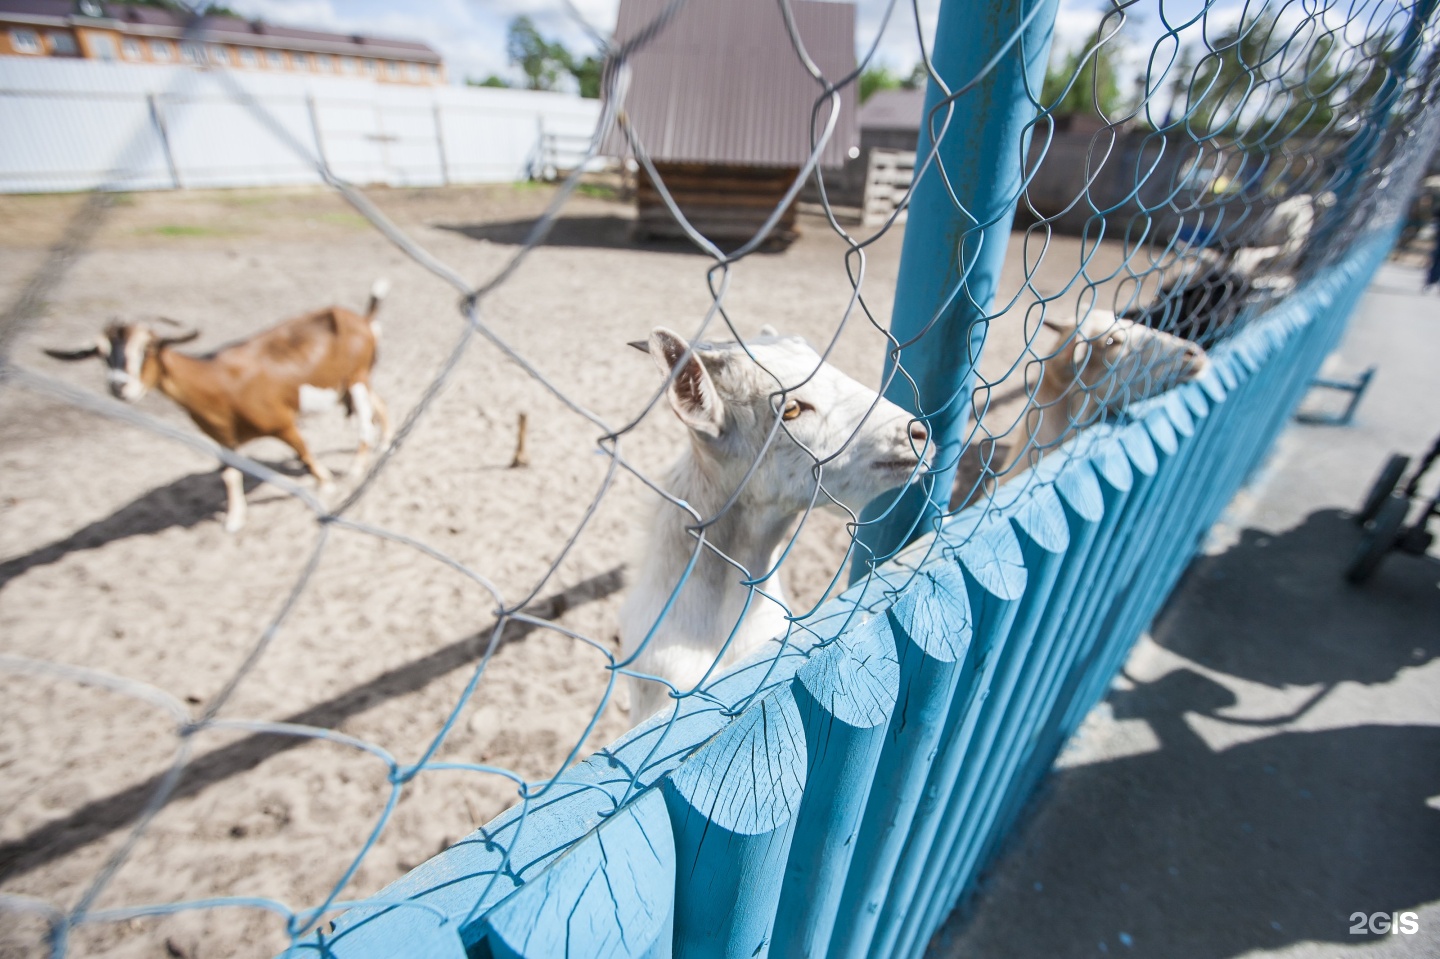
{"x": 257, "y": 387}
{"x": 1100, "y": 364}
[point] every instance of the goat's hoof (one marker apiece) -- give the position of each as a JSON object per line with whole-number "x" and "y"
{"x": 233, "y": 526}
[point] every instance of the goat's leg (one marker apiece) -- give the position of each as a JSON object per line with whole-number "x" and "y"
{"x": 362, "y": 405}
{"x": 234, "y": 499}
{"x": 382, "y": 414}
{"x": 290, "y": 435}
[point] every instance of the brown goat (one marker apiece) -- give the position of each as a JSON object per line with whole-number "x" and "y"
{"x": 257, "y": 387}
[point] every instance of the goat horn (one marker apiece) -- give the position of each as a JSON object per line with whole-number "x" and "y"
{"x": 174, "y": 340}
{"x": 642, "y": 345}
{"x": 82, "y": 354}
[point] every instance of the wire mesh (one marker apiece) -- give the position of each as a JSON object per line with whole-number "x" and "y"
{"x": 1186, "y": 170}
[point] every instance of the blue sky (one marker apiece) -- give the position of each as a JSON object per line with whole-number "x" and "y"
{"x": 470, "y": 34}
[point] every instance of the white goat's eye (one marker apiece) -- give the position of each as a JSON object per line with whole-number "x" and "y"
{"x": 793, "y": 408}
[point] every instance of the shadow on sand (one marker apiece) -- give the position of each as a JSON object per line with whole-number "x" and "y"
{"x": 185, "y": 503}
{"x": 101, "y": 816}
{"x": 603, "y": 231}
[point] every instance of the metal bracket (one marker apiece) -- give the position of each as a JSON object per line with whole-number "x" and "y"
{"x": 1356, "y": 388}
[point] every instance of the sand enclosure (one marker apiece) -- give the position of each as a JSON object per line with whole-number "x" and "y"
{"x": 112, "y": 556}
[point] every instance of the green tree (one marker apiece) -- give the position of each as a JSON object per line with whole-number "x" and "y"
{"x": 587, "y": 72}
{"x": 1261, "y": 83}
{"x": 491, "y": 81}
{"x": 1096, "y": 86}
{"x": 918, "y": 77}
{"x": 541, "y": 61}
{"x": 544, "y": 61}
{"x": 877, "y": 78}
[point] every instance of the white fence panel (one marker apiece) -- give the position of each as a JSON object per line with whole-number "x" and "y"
{"x": 354, "y": 143}
{"x": 411, "y": 144}
{"x": 79, "y": 125}
{"x": 219, "y": 142}
{"x": 76, "y": 141}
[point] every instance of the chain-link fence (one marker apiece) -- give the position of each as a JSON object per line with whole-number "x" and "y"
{"x": 854, "y": 625}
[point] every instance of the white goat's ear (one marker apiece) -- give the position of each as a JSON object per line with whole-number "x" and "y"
{"x": 768, "y": 330}
{"x": 692, "y": 392}
{"x": 1063, "y": 327}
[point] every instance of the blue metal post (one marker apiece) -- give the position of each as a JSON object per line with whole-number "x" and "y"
{"x": 950, "y": 264}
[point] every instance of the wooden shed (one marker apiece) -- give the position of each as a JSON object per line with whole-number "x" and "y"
{"x": 722, "y": 106}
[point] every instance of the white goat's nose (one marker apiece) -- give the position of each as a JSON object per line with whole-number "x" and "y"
{"x": 918, "y": 433}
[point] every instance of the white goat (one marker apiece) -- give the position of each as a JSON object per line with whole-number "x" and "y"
{"x": 1100, "y": 364}
{"x": 1267, "y": 258}
{"x": 833, "y": 432}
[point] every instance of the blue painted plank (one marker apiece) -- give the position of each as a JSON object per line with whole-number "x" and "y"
{"x": 931, "y": 623}
{"x": 610, "y": 896}
{"x": 733, "y": 806}
{"x": 1104, "y": 453}
{"x": 1107, "y": 582}
{"x": 846, "y": 695}
{"x": 993, "y": 566}
{"x": 415, "y": 932}
{"x": 1083, "y": 501}
{"x": 1042, "y": 533}
{"x": 1115, "y": 583}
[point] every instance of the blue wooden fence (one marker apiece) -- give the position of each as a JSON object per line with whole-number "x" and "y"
{"x": 858, "y": 777}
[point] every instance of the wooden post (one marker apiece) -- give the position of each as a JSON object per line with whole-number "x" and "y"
{"x": 932, "y": 628}
{"x": 521, "y": 458}
{"x": 846, "y": 694}
{"x": 733, "y": 805}
{"x": 612, "y": 894}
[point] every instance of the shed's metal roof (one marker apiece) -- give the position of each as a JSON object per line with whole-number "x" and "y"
{"x": 893, "y": 110}
{"x": 722, "y": 83}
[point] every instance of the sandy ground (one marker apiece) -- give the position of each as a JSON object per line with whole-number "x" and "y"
{"x": 112, "y": 556}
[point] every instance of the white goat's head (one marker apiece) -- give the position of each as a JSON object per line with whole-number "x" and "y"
{"x": 827, "y": 427}
{"x": 1114, "y": 361}
{"x": 131, "y": 355}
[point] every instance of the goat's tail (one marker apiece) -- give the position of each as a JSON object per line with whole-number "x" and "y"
{"x": 377, "y": 293}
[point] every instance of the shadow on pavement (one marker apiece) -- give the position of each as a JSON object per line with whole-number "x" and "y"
{"x": 1275, "y": 609}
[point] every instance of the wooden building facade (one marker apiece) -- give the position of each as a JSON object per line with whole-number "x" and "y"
{"x": 722, "y": 106}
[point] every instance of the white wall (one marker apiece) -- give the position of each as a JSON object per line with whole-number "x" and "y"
{"x": 82, "y": 125}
